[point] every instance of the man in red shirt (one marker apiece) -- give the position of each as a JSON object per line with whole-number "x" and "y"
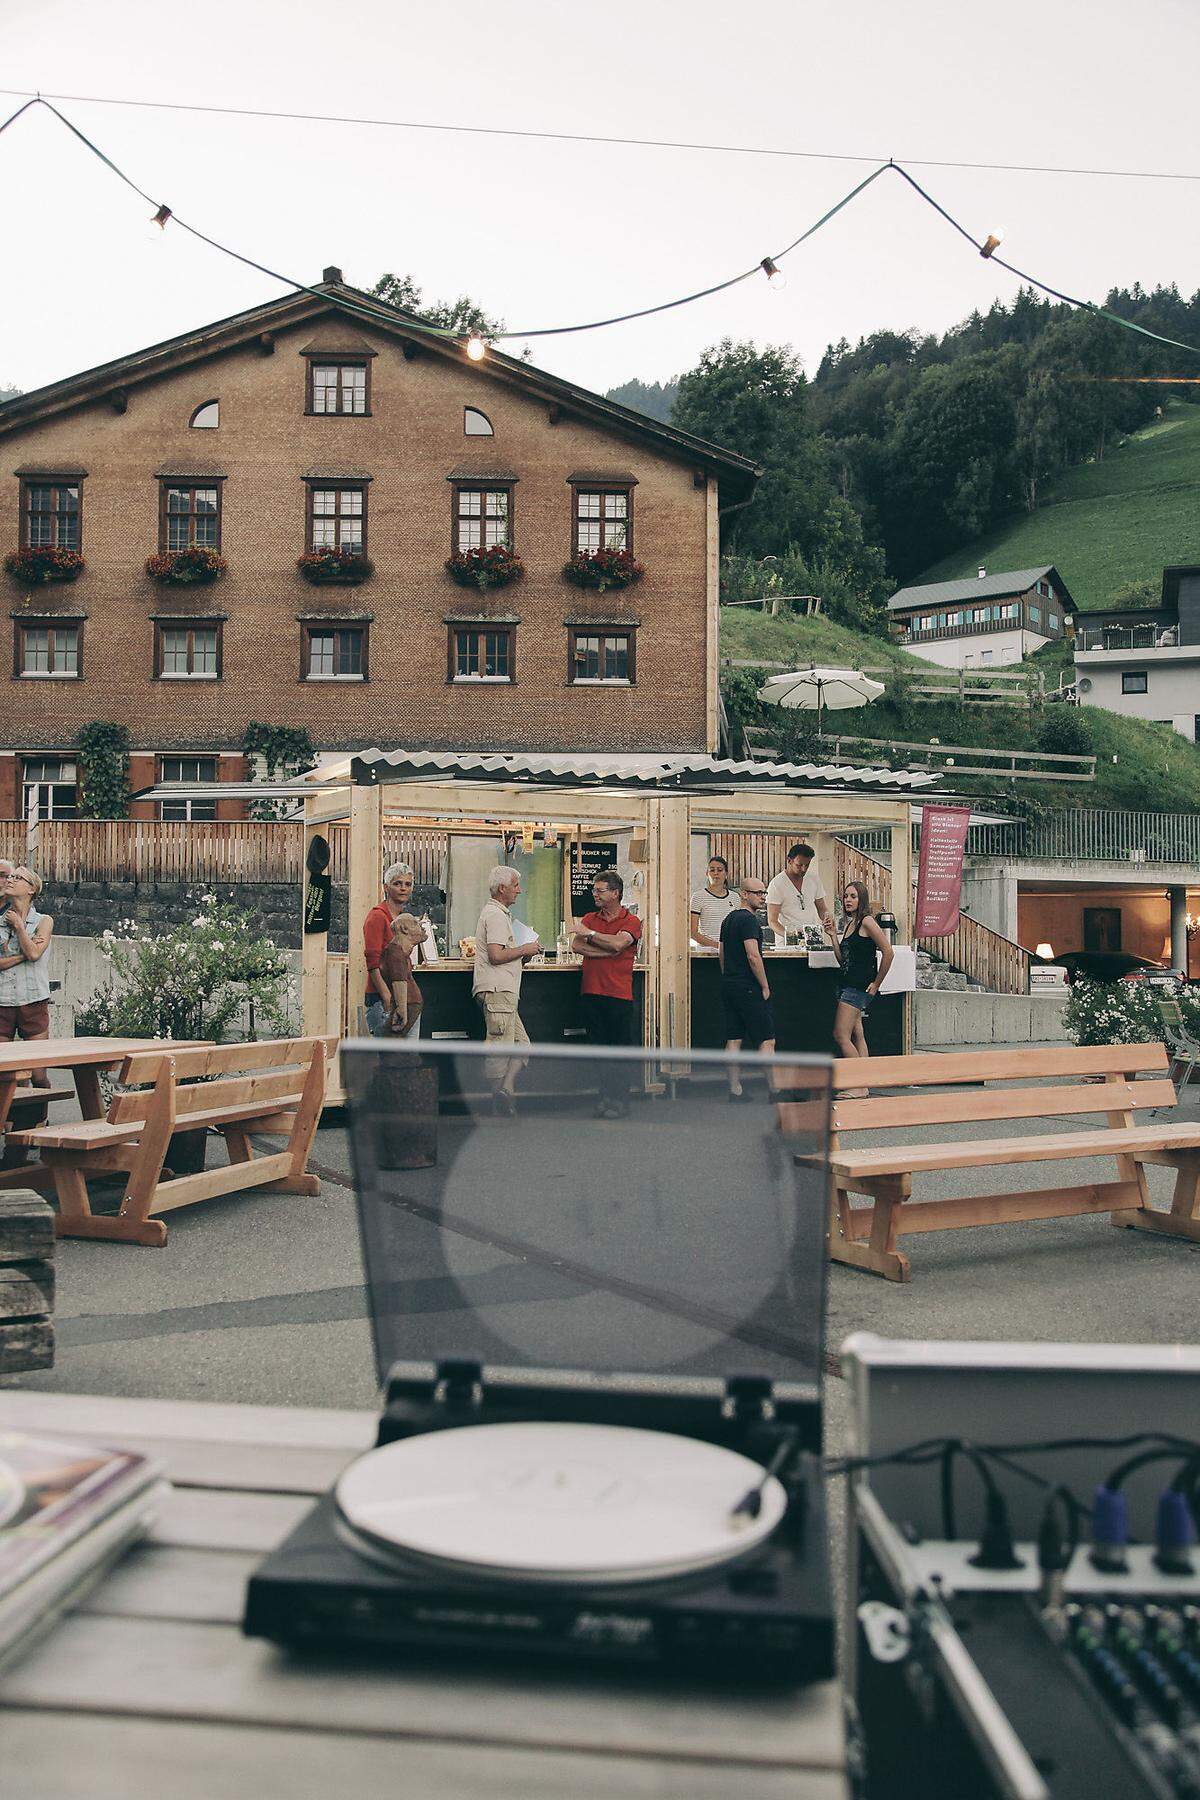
{"x": 398, "y": 879}
{"x": 607, "y": 939}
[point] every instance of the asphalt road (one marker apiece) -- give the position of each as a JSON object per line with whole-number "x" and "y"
{"x": 259, "y": 1298}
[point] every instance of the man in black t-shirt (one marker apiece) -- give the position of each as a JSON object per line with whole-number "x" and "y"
{"x": 745, "y": 991}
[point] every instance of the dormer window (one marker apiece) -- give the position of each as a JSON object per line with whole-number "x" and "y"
{"x": 476, "y": 423}
{"x": 206, "y": 417}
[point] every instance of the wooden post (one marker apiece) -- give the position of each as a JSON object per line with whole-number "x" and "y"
{"x": 712, "y": 588}
{"x": 314, "y": 1010}
{"x": 366, "y": 882}
{"x": 674, "y": 933}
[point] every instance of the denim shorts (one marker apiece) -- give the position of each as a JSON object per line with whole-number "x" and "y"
{"x": 856, "y": 997}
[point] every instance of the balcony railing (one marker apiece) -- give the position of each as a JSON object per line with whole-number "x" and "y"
{"x": 1086, "y": 834}
{"x": 1154, "y": 635}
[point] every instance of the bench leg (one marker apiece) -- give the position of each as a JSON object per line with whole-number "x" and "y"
{"x": 1183, "y": 1220}
{"x": 876, "y": 1253}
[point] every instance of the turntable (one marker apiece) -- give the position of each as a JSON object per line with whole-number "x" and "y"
{"x": 600, "y": 1344}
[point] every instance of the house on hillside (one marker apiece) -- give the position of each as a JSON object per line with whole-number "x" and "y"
{"x": 983, "y": 622}
{"x": 332, "y": 454}
{"x": 1146, "y": 662}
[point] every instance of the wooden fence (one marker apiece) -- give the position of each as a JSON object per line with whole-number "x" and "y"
{"x": 219, "y": 852}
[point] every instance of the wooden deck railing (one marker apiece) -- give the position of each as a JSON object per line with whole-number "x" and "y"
{"x": 219, "y": 852}
{"x": 983, "y": 955}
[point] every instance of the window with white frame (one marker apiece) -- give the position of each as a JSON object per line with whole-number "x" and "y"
{"x": 482, "y": 517}
{"x": 188, "y": 650}
{"x": 602, "y": 519}
{"x": 337, "y": 387}
{"x": 600, "y": 657}
{"x": 50, "y": 787}
{"x": 47, "y": 647}
{"x": 338, "y": 518}
{"x": 188, "y": 768}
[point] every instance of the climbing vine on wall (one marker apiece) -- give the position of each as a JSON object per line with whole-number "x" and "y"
{"x": 104, "y": 769}
{"x": 276, "y": 753}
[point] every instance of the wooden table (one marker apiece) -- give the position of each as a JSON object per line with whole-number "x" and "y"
{"x": 150, "y": 1689}
{"x": 84, "y": 1057}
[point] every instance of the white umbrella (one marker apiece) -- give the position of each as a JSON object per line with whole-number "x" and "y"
{"x": 814, "y": 688}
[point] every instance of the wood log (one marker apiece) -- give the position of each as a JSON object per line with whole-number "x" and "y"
{"x": 26, "y": 1344}
{"x": 26, "y": 1226}
{"x": 27, "y": 1291}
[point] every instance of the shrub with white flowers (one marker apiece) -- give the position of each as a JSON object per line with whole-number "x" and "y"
{"x": 1124, "y": 1012}
{"x": 192, "y": 982}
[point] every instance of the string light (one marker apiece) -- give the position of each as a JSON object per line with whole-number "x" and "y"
{"x": 992, "y": 242}
{"x": 476, "y": 346}
{"x": 776, "y": 278}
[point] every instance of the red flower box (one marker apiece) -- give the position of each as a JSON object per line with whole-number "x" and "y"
{"x": 194, "y": 567}
{"x": 347, "y": 567}
{"x": 492, "y": 568}
{"x": 44, "y": 563}
{"x": 603, "y": 568}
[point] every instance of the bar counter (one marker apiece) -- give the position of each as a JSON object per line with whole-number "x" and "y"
{"x": 550, "y": 1000}
{"x": 803, "y": 1000}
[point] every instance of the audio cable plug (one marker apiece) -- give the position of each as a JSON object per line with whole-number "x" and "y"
{"x": 1110, "y": 1530}
{"x": 1174, "y": 1532}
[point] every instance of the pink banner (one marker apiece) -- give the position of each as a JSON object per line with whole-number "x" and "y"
{"x": 939, "y": 871}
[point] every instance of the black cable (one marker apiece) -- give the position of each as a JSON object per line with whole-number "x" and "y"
{"x": 591, "y": 137}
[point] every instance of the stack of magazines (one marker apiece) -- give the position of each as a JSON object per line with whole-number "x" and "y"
{"x": 67, "y": 1510}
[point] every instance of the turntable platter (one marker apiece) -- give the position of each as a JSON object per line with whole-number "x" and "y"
{"x": 556, "y": 1502}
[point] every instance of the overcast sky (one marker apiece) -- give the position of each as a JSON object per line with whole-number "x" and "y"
{"x": 552, "y": 234}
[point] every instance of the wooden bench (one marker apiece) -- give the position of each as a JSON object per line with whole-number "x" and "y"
{"x": 1099, "y": 1079}
{"x": 273, "y": 1086}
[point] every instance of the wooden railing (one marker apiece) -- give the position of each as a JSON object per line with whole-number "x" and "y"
{"x": 220, "y": 852}
{"x": 983, "y": 955}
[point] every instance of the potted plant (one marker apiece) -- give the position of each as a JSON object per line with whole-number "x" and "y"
{"x": 494, "y": 567}
{"x": 194, "y": 981}
{"x": 196, "y": 566}
{"x": 603, "y": 568}
{"x": 347, "y": 567}
{"x": 44, "y": 562}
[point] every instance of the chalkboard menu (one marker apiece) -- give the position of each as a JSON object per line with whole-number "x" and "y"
{"x": 587, "y": 861}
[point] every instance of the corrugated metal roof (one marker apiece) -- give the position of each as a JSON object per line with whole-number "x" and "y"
{"x": 378, "y": 766}
{"x": 978, "y": 587}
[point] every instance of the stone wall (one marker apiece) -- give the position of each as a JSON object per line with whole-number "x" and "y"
{"x": 948, "y": 1021}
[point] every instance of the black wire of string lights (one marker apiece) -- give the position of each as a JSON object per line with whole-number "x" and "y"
{"x": 476, "y": 344}
{"x": 591, "y": 137}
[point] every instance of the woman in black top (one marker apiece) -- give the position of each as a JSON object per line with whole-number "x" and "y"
{"x": 862, "y": 970}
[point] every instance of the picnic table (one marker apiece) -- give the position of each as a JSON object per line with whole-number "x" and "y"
{"x": 83, "y": 1058}
{"x": 150, "y": 1688}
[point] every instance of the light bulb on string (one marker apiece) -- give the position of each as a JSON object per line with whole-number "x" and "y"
{"x": 993, "y": 241}
{"x": 476, "y": 347}
{"x": 776, "y": 279}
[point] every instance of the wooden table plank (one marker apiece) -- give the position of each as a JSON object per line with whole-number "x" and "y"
{"x": 134, "y": 1759}
{"x": 107, "y": 1420}
{"x": 153, "y": 1668}
{"x": 151, "y": 1688}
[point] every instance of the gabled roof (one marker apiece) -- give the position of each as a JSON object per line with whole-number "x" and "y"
{"x": 346, "y": 306}
{"x": 980, "y": 587}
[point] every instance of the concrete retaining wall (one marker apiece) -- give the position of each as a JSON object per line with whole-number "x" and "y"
{"x": 945, "y": 1021}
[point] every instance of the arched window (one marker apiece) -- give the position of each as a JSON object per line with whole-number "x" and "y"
{"x": 475, "y": 423}
{"x": 207, "y": 416}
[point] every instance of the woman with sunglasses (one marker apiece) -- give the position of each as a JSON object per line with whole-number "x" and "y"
{"x": 24, "y": 963}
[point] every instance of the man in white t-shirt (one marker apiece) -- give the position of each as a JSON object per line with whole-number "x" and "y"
{"x": 796, "y": 896}
{"x": 499, "y": 960}
{"x": 711, "y": 905}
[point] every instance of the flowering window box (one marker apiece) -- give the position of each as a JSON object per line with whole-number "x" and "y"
{"x": 344, "y": 568}
{"x": 603, "y": 568}
{"x": 494, "y": 567}
{"x": 47, "y": 562}
{"x": 194, "y": 567}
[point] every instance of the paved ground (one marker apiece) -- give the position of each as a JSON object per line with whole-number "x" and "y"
{"x": 259, "y": 1298}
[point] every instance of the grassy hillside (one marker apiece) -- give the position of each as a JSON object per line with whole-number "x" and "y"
{"x": 1107, "y": 523}
{"x": 1138, "y": 765}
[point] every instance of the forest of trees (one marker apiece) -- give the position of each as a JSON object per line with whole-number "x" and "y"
{"x": 903, "y": 446}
